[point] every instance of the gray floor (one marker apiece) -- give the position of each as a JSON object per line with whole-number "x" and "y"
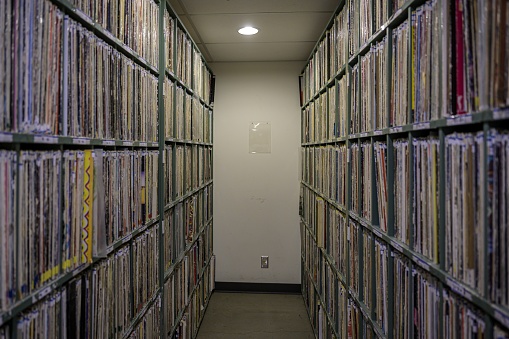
{"x": 253, "y": 316}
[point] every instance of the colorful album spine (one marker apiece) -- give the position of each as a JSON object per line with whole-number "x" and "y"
{"x": 86, "y": 254}
{"x": 460, "y": 60}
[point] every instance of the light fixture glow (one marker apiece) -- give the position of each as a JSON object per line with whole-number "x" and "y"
{"x": 248, "y": 30}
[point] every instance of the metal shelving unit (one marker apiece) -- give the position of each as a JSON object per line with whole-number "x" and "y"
{"x": 158, "y": 302}
{"x": 492, "y": 314}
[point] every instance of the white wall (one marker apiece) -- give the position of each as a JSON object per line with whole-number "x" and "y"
{"x": 256, "y": 195}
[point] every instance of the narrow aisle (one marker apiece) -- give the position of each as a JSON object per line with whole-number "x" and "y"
{"x": 255, "y": 316}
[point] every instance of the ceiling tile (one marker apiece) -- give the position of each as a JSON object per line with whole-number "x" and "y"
{"x": 177, "y": 7}
{"x": 254, "y": 6}
{"x": 204, "y": 52}
{"x": 190, "y": 29}
{"x": 274, "y": 27}
{"x": 287, "y": 51}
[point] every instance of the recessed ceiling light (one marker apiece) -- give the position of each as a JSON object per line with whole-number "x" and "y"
{"x": 248, "y": 30}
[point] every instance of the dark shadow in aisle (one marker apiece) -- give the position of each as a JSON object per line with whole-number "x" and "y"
{"x": 255, "y": 316}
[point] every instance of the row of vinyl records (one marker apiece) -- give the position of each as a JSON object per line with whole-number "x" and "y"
{"x": 417, "y": 71}
{"x": 469, "y": 170}
{"x": 85, "y": 200}
{"x": 186, "y": 276}
{"x": 104, "y": 301}
{"x": 192, "y": 119}
{"x": 193, "y": 168}
{"x": 415, "y": 195}
{"x": 189, "y": 66}
{"x": 57, "y": 77}
{"x": 136, "y": 24}
{"x": 337, "y": 310}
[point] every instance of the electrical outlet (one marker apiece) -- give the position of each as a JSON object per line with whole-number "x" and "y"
{"x": 265, "y": 261}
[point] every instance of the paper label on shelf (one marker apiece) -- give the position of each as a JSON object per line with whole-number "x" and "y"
{"x": 108, "y": 142}
{"x": 79, "y": 141}
{"x": 363, "y": 135}
{"x": 108, "y": 34}
{"x": 143, "y": 144}
{"x": 155, "y": 144}
{"x": 129, "y": 50}
{"x": 377, "y": 232}
{"x": 502, "y": 114}
{"x": 351, "y": 136}
{"x": 502, "y": 318}
{"x": 397, "y": 246}
{"x": 422, "y": 125}
{"x": 379, "y": 132}
{"x": 128, "y": 143}
{"x": 456, "y": 287}
{"x": 421, "y": 263}
{"x": 5, "y": 316}
{"x": 45, "y": 292}
{"x": 45, "y": 140}
{"x": 82, "y": 16}
{"x": 397, "y": 129}
{"x": 78, "y": 270}
{"x": 6, "y": 138}
{"x": 459, "y": 120}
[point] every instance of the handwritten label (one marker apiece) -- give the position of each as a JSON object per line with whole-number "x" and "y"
{"x": 45, "y": 292}
{"x": 363, "y": 135}
{"x": 422, "y": 125}
{"x": 46, "y": 140}
{"x": 397, "y": 246}
{"x": 502, "y": 318}
{"x": 397, "y": 129}
{"x": 6, "y": 138}
{"x": 503, "y": 114}
{"x": 78, "y": 141}
{"x": 455, "y": 287}
{"x": 143, "y": 144}
{"x": 459, "y": 120}
{"x": 379, "y": 132}
{"x": 108, "y": 143}
{"x": 421, "y": 263}
{"x": 109, "y": 249}
{"x": 128, "y": 143}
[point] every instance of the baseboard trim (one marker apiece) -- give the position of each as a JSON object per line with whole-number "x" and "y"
{"x": 257, "y": 287}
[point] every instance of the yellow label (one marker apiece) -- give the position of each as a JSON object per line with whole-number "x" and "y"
{"x": 88, "y": 194}
{"x": 66, "y": 264}
{"x": 46, "y": 276}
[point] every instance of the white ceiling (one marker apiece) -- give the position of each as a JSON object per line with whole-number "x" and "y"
{"x": 288, "y": 29}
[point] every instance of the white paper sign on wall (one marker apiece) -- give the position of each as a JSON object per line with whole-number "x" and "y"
{"x": 259, "y": 137}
